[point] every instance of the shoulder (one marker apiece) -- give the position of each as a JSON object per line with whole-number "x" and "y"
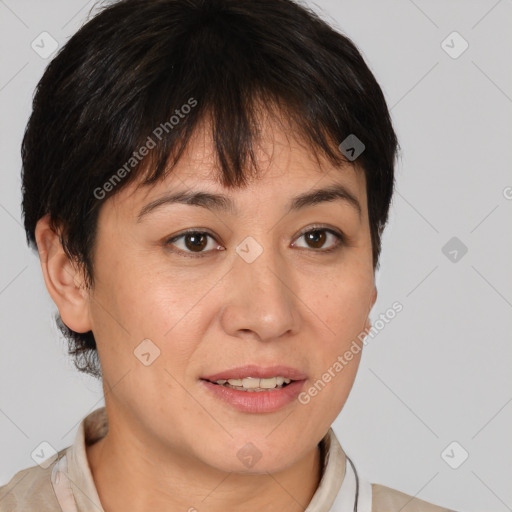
{"x": 386, "y": 499}
{"x": 30, "y": 489}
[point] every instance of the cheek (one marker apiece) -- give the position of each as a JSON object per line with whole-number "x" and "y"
{"x": 131, "y": 290}
{"x": 342, "y": 311}
{"x": 342, "y": 307}
{"x": 138, "y": 304}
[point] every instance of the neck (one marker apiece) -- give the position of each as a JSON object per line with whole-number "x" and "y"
{"x": 130, "y": 475}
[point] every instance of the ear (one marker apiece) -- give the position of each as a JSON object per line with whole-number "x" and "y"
{"x": 64, "y": 281}
{"x": 373, "y": 298}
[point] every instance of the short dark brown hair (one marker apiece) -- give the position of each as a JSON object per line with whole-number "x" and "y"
{"x": 138, "y": 65}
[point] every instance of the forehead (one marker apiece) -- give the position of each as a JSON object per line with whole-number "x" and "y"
{"x": 286, "y": 165}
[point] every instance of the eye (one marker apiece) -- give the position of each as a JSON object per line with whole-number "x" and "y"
{"x": 316, "y": 237}
{"x": 193, "y": 242}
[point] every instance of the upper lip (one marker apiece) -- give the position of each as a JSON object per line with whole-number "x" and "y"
{"x": 260, "y": 372}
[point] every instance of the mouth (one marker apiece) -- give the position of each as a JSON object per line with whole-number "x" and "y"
{"x": 254, "y": 384}
{"x": 256, "y": 389}
{"x": 256, "y": 378}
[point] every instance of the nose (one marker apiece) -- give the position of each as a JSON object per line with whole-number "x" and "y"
{"x": 260, "y": 300}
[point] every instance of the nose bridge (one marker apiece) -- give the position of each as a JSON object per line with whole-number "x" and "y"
{"x": 262, "y": 298}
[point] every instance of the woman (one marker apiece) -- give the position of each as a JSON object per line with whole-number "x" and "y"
{"x": 208, "y": 200}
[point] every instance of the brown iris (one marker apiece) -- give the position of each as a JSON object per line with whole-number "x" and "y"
{"x": 196, "y": 242}
{"x": 316, "y": 238}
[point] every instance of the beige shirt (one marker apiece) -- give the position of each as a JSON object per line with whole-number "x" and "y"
{"x": 66, "y": 485}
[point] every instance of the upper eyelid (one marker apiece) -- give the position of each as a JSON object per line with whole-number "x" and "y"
{"x": 188, "y": 232}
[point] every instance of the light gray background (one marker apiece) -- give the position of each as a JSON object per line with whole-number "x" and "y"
{"x": 440, "y": 371}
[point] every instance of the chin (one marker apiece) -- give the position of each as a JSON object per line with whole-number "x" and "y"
{"x": 261, "y": 466}
{"x": 247, "y": 454}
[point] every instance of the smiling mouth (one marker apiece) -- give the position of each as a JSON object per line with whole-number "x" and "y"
{"x": 254, "y": 384}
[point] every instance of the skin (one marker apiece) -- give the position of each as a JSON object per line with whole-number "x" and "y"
{"x": 171, "y": 445}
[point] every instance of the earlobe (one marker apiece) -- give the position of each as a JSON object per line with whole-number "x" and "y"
{"x": 63, "y": 278}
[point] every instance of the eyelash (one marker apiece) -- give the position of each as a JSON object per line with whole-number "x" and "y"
{"x": 338, "y": 234}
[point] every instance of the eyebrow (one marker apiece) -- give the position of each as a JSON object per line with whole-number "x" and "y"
{"x": 223, "y": 203}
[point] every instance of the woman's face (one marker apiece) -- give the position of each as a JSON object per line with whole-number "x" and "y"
{"x": 254, "y": 286}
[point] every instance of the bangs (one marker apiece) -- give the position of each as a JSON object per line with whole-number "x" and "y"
{"x": 234, "y": 133}
{"x": 226, "y": 78}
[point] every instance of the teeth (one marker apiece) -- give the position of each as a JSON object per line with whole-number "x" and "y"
{"x": 267, "y": 383}
{"x": 249, "y": 383}
{"x": 254, "y": 383}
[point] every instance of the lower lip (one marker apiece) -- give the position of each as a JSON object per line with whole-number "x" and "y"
{"x": 257, "y": 401}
